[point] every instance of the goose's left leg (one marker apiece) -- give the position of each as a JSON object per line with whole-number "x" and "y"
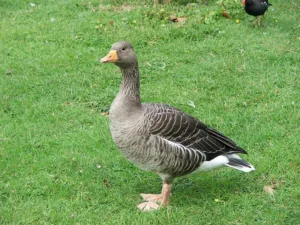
{"x": 152, "y": 199}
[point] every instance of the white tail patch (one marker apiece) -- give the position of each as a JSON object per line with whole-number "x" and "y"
{"x": 224, "y": 160}
{"x": 238, "y": 163}
{"x": 244, "y": 168}
{"x": 219, "y": 161}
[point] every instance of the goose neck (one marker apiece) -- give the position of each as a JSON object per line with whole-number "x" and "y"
{"x": 130, "y": 86}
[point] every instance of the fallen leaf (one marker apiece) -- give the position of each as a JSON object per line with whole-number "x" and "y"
{"x": 105, "y": 114}
{"x": 191, "y": 103}
{"x": 269, "y": 190}
{"x": 105, "y": 183}
{"x": 181, "y": 19}
{"x": 226, "y": 14}
{"x": 111, "y": 22}
{"x": 274, "y": 184}
{"x": 98, "y": 166}
{"x": 173, "y": 18}
{"x": 9, "y": 72}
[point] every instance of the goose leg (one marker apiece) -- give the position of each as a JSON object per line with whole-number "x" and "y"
{"x": 152, "y": 199}
{"x": 166, "y": 193}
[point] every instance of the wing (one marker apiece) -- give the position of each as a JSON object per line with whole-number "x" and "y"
{"x": 176, "y": 126}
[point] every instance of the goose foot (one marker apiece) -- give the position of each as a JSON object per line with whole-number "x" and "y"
{"x": 148, "y": 206}
{"x": 152, "y": 197}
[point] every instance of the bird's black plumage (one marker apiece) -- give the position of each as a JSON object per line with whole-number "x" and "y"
{"x": 256, "y": 7}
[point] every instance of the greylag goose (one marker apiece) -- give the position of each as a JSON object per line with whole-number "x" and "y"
{"x": 161, "y": 138}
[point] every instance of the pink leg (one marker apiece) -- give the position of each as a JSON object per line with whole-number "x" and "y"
{"x": 152, "y": 199}
{"x": 166, "y": 192}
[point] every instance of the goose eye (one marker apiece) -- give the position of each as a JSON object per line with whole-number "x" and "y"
{"x": 123, "y": 49}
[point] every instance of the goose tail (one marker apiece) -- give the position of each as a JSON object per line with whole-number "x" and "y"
{"x": 238, "y": 163}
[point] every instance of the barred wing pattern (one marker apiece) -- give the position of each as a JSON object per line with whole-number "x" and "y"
{"x": 191, "y": 140}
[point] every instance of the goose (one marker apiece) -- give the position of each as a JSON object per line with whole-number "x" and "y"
{"x": 256, "y": 8}
{"x": 160, "y": 138}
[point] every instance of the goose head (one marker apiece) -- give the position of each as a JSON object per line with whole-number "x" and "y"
{"x": 121, "y": 54}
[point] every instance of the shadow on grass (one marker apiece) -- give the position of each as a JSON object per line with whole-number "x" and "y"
{"x": 191, "y": 190}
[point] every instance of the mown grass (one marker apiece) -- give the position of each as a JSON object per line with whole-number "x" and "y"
{"x": 58, "y": 164}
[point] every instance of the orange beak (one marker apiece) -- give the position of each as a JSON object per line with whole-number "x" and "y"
{"x": 111, "y": 57}
{"x": 244, "y": 2}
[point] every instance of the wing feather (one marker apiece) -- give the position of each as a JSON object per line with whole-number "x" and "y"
{"x": 176, "y": 126}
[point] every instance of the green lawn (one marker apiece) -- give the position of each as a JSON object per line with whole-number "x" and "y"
{"x": 58, "y": 163}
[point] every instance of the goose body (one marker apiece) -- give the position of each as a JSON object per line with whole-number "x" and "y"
{"x": 161, "y": 138}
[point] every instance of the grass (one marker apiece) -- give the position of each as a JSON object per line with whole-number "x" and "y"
{"x": 58, "y": 163}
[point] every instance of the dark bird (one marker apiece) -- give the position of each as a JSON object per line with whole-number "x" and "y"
{"x": 160, "y": 138}
{"x": 256, "y": 8}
